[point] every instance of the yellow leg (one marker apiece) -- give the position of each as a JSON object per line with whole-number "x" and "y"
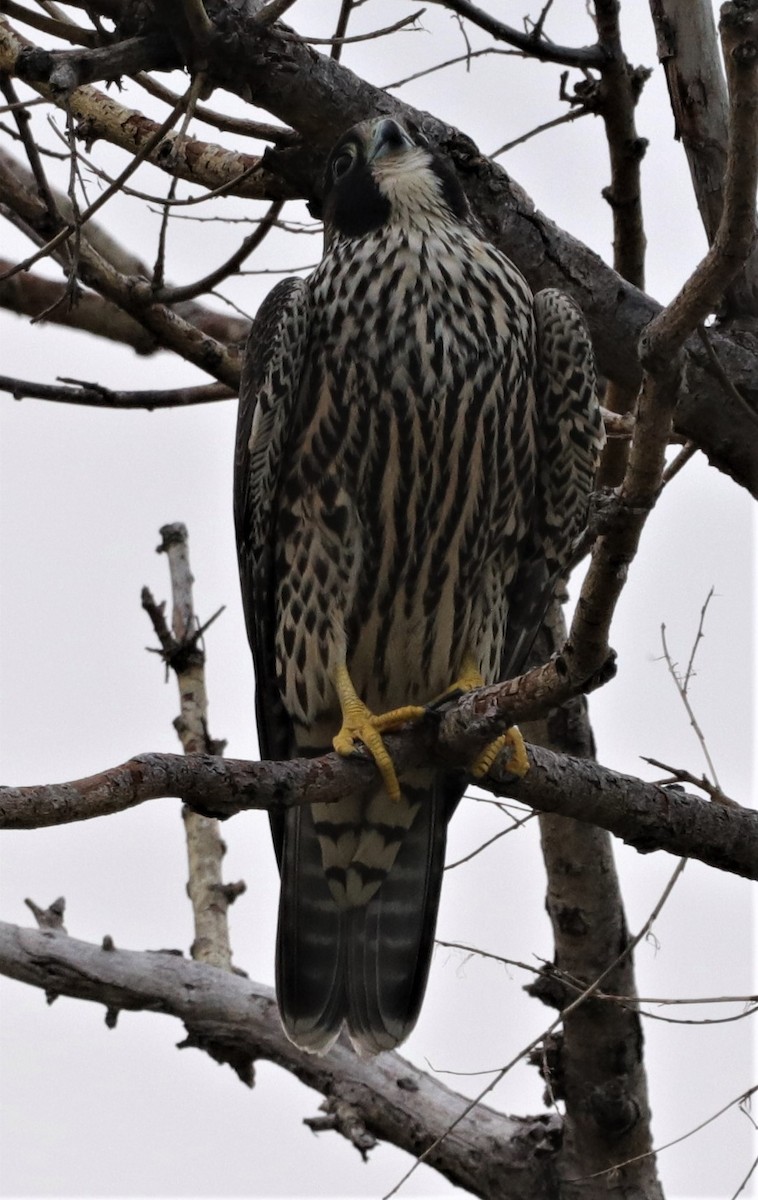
{"x": 360, "y": 724}
{"x": 469, "y": 678}
{"x": 518, "y": 763}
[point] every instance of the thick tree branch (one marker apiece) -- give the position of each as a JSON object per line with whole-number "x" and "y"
{"x": 661, "y": 345}
{"x": 134, "y": 295}
{"x": 616, "y": 99}
{"x": 644, "y": 815}
{"x": 736, "y": 233}
{"x": 235, "y": 1021}
{"x": 99, "y": 115}
{"x": 183, "y": 652}
{"x": 618, "y": 93}
{"x": 63, "y": 71}
{"x": 607, "y": 1113}
{"x": 31, "y": 295}
{"x": 261, "y": 64}
{"x": 66, "y": 30}
{"x": 689, "y": 53}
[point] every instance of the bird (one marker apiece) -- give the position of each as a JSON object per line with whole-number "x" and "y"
{"x": 416, "y": 446}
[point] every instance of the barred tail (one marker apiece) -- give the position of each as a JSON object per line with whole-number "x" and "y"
{"x": 363, "y": 966}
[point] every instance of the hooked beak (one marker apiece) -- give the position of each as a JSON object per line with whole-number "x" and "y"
{"x": 388, "y": 138}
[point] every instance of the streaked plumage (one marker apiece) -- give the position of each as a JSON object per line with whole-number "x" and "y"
{"x": 416, "y": 444}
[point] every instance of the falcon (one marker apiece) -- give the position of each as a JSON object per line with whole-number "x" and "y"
{"x": 417, "y": 440}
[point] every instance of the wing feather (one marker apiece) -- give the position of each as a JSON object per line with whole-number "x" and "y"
{"x": 269, "y": 395}
{"x": 570, "y": 438}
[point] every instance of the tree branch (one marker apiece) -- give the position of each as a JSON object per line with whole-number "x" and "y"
{"x": 236, "y": 1021}
{"x": 689, "y": 53}
{"x": 644, "y": 815}
{"x": 98, "y": 115}
{"x": 183, "y": 652}
{"x": 532, "y": 44}
{"x": 605, "y": 1092}
{"x": 262, "y": 63}
{"x": 737, "y": 228}
{"x": 134, "y": 295}
{"x": 94, "y": 395}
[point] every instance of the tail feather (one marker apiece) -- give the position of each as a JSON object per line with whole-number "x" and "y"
{"x": 310, "y": 941}
{"x": 365, "y": 966}
{"x": 392, "y": 937}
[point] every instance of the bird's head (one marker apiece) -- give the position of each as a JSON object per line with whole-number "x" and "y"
{"x": 378, "y": 174}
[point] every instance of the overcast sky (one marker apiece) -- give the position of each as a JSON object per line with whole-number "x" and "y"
{"x": 88, "y": 1111}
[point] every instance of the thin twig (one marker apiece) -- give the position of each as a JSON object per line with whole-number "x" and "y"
{"x": 63, "y": 234}
{"x": 196, "y": 87}
{"x": 189, "y": 291}
{"x": 362, "y": 37}
{"x": 95, "y": 395}
{"x": 516, "y": 824}
{"x": 564, "y": 119}
{"x": 580, "y": 999}
{"x": 532, "y": 44}
{"x": 746, "y": 1180}
{"x": 681, "y": 775}
{"x": 682, "y": 682}
{"x": 449, "y": 62}
{"x": 18, "y": 108}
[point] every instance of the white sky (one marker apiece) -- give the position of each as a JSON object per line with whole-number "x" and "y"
{"x": 90, "y": 1112}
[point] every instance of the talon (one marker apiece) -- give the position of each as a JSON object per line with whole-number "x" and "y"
{"x": 518, "y": 761}
{"x": 469, "y": 679}
{"x": 359, "y": 724}
{"x": 397, "y": 717}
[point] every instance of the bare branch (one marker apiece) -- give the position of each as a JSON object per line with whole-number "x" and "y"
{"x": 236, "y": 125}
{"x": 103, "y": 117}
{"x": 533, "y": 43}
{"x": 616, "y": 101}
{"x": 682, "y": 683}
{"x": 205, "y": 848}
{"x": 681, "y": 775}
{"x": 94, "y": 395}
{"x": 135, "y": 296}
{"x": 564, "y": 119}
{"x": 644, "y": 815}
{"x": 736, "y": 233}
{"x": 346, "y": 7}
{"x": 327, "y": 98}
{"x": 688, "y": 50}
{"x": 173, "y": 295}
{"x": 113, "y": 188}
{"x": 64, "y": 71}
{"x": 272, "y": 11}
{"x": 66, "y": 30}
{"x": 363, "y": 37}
{"x": 235, "y": 1020}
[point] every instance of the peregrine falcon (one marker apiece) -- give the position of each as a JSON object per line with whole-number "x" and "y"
{"x": 417, "y": 440}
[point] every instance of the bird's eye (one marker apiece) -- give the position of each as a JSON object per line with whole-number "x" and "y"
{"x": 342, "y": 164}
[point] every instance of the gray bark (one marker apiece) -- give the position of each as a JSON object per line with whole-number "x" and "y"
{"x": 235, "y": 1020}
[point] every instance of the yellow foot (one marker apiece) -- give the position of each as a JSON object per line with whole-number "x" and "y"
{"x": 469, "y": 679}
{"x": 359, "y": 724}
{"x": 518, "y": 762}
